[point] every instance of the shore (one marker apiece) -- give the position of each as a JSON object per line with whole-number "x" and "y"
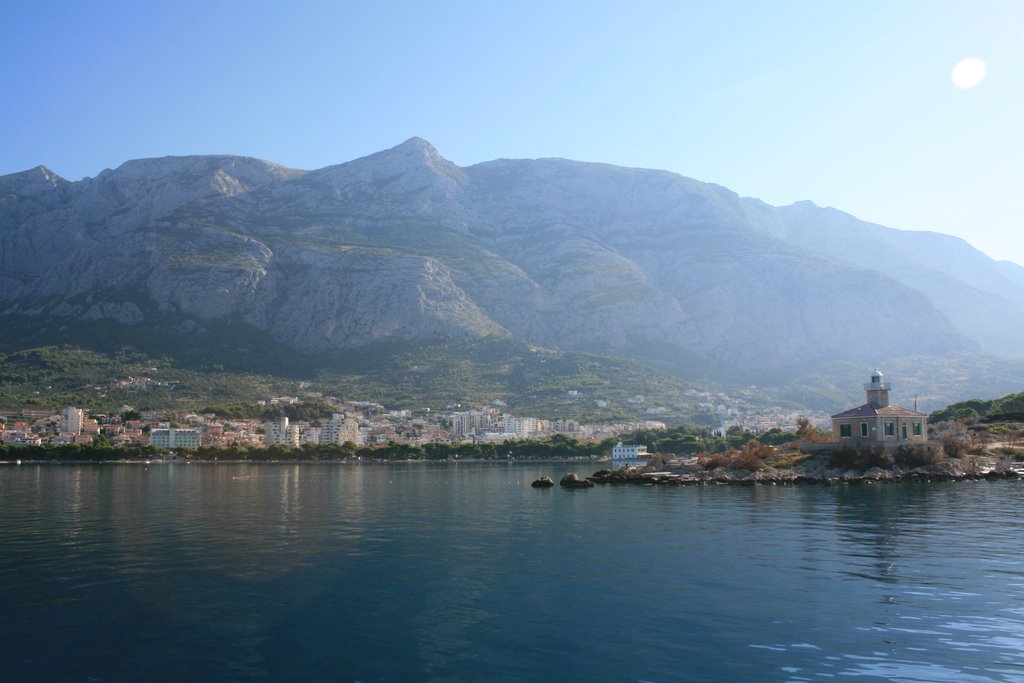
{"x": 813, "y": 471}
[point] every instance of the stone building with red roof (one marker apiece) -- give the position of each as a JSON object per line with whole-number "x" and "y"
{"x": 878, "y": 422}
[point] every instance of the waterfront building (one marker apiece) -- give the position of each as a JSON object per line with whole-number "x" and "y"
{"x": 21, "y": 439}
{"x": 280, "y": 432}
{"x": 472, "y": 422}
{"x": 878, "y": 422}
{"x": 565, "y": 426}
{"x": 523, "y": 427}
{"x": 631, "y": 452}
{"x": 71, "y": 420}
{"x": 339, "y": 430}
{"x": 172, "y": 437}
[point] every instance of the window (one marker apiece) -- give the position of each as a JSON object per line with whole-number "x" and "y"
{"x": 845, "y": 432}
{"x": 863, "y": 428}
{"x": 903, "y": 431}
{"x": 890, "y": 429}
{"x": 917, "y": 429}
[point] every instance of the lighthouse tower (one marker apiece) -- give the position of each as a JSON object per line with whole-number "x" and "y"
{"x": 877, "y": 390}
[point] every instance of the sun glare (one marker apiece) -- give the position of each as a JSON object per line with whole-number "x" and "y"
{"x": 968, "y": 73}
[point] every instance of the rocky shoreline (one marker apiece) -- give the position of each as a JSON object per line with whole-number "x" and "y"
{"x": 967, "y": 469}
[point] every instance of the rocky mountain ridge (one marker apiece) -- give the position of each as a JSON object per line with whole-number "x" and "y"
{"x": 404, "y": 245}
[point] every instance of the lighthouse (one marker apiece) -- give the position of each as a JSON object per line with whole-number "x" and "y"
{"x": 879, "y": 422}
{"x": 877, "y": 390}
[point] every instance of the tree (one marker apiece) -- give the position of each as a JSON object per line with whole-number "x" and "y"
{"x": 808, "y": 432}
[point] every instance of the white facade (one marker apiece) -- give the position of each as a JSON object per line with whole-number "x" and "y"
{"x": 339, "y": 430}
{"x": 71, "y": 420}
{"x": 281, "y": 433}
{"x": 523, "y": 426}
{"x": 174, "y": 438}
{"x": 565, "y": 426}
{"x": 621, "y": 452}
{"x": 471, "y": 422}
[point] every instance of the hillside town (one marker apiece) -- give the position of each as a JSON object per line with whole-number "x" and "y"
{"x": 357, "y": 422}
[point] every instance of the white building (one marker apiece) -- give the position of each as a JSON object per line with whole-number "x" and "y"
{"x": 523, "y": 427}
{"x": 174, "y": 438}
{"x": 565, "y": 426}
{"x": 621, "y": 452}
{"x": 22, "y": 439}
{"x": 465, "y": 424}
{"x": 877, "y": 421}
{"x": 71, "y": 420}
{"x": 281, "y": 433}
{"x": 339, "y": 430}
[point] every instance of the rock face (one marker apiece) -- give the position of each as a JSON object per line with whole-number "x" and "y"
{"x": 404, "y": 245}
{"x": 573, "y": 481}
{"x": 813, "y": 471}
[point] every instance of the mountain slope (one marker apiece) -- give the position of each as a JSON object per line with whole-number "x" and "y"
{"x": 403, "y": 245}
{"x": 983, "y": 298}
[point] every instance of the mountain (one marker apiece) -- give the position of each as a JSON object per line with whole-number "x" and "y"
{"x": 404, "y": 246}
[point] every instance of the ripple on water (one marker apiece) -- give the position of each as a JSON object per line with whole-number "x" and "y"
{"x": 256, "y": 572}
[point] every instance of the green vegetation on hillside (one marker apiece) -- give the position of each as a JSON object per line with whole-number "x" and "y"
{"x": 471, "y": 373}
{"x": 475, "y": 372}
{"x": 308, "y": 410}
{"x": 54, "y": 376}
{"x": 1000, "y": 409}
{"x": 689, "y": 440}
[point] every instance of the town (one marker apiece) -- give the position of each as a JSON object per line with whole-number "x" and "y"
{"x": 357, "y": 422}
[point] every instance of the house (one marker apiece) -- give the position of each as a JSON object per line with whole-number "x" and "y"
{"x": 878, "y": 422}
{"x": 621, "y": 452}
{"x": 174, "y": 438}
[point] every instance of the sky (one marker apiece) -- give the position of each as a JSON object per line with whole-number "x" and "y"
{"x": 849, "y": 104}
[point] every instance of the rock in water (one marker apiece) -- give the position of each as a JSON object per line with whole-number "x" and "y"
{"x": 572, "y": 480}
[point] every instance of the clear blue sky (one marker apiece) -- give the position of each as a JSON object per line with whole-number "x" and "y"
{"x": 848, "y": 104}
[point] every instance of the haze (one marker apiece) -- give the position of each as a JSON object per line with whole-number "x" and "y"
{"x": 849, "y": 105}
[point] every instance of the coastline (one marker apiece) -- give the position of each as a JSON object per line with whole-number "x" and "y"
{"x": 815, "y": 471}
{"x": 815, "y": 474}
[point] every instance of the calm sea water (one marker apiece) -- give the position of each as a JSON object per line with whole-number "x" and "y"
{"x": 465, "y": 573}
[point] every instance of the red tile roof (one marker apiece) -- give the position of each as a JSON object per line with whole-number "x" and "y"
{"x": 868, "y": 410}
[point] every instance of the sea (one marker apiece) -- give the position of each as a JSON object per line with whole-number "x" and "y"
{"x": 463, "y": 572}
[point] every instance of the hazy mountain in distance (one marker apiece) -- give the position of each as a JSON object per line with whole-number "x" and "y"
{"x": 403, "y": 245}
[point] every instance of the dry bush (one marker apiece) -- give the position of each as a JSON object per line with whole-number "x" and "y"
{"x": 715, "y": 461}
{"x": 746, "y": 461}
{"x": 918, "y": 455}
{"x": 854, "y": 457}
{"x": 757, "y": 449}
{"x": 953, "y": 447}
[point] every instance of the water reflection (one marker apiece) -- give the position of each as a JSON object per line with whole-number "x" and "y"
{"x": 453, "y": 572}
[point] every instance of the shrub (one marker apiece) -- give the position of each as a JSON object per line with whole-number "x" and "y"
{"x": 919, "y": 455}
{"x": 807, "y": 432}
{"x": 751, "y": 457}
{"x": 715, "y": 461}
{"x": 746, "y": 461}
{"x": 953, "y": 446}
{"x": 852, "y": 457}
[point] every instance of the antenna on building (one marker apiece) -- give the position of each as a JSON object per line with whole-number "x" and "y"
{"x": 915, "y": 403}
